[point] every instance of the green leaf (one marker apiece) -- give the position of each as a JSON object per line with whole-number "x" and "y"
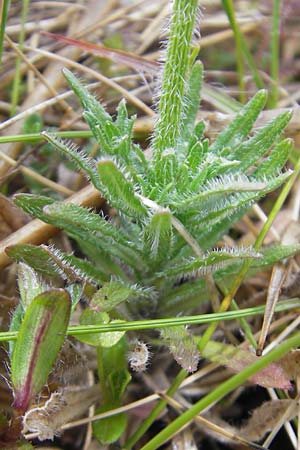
{"x": 51, "y": 262}
{"x": 119, "y": 190}
{"x": 112, "y": 294}
{"x": 33, "y": 124}
{"x": 81, "y": 223}
{"x": 192, "y": 101}
{"x": 81, "y": 160}
{"x": 40, "y": 338}
{"x": 195, "y": 267}
{"x": 29, "y": 284}
{"x": 275, "y": 160}
{"x": 114, "y": 377}
{"x": 90, "y": 317}
{"x": 251, "y": 151}
{"x": 35, "y": 257}
{"x": 33, "y": 204}
{"x": 108, "y": 430}
{"x": 158, "y": 236}
{"x": 222, "y": 186}
{"x": 88, "y": 100}
{"x": 241, "y": 125}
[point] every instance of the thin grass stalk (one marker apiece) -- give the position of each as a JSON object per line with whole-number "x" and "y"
{"x": 275, "y": 35}
{"x": 4, "y": 13}
{"x": 221, "y": 391}
{"x": 145, "y": 425}
{"x": 17, "y": 78}
{"x": 77, "y": 330}
{"x": 229, "y": 9}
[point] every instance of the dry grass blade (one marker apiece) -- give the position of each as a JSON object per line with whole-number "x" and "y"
{"x": 215, "y": 429}
{"x": 291, "y": 236}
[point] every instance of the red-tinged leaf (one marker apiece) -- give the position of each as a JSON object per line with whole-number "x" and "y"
{"x": 40, "y": 338}
{"x": 137, "y": 63}
{"x": 238, "y": 359}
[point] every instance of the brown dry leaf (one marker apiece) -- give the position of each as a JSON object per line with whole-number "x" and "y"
{"x": 61, "y": 408}
{"x": 262, "y": 421}
{"x": 265, "y": 418}
{"x": 291, "y": 364}
{"x": 237, "y": 359}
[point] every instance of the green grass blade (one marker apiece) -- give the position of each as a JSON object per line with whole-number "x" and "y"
{"x": 17, "y": 76}
{"x": 4, "y": 13}
{"x": 275, "y": 32}
{"x": 229, "y": 9}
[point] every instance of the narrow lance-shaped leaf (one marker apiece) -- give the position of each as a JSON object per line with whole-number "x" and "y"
{"x": 119, "y": 190}
{"x": 275, "y": 161}
{"x": 74, "y": 218}
{"x": 88, "y": 101}
{"x": 192, "y": 100}
{"x": 112, "y": 294}
{"x": 251, "y": 151}
{"x": 40, "y": 338}
{"x": 51, "y": 262}
{"x": 241, "y": 125}
{"x": 81, "y": 160}
{"x": 168, "y": 125}
{"x": 158, "y": 236}
{"x": 211, "y": 261}
{"x": 33, "y": 204}
{"x": 223, "y": 186}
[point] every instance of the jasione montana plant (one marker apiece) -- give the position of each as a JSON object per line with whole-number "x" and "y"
{"x": 152, "y": 258}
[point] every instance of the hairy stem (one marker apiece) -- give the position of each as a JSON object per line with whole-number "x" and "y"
{"x": 171, "y": 105}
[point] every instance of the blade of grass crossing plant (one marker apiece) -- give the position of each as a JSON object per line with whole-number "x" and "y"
{"x": 229, "y": 9}
{"x": 4, "y": 13}
{"x": 244, "y": 269}
{"x": 228, "y": 6}
{"x": 220, "y": 392}
{"x": 78, "y": 330}
{"x": 40, "y": 338}
{"x": 275, "y": 32}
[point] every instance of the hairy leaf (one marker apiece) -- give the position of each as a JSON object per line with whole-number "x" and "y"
{"x": 40, "y": 337}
